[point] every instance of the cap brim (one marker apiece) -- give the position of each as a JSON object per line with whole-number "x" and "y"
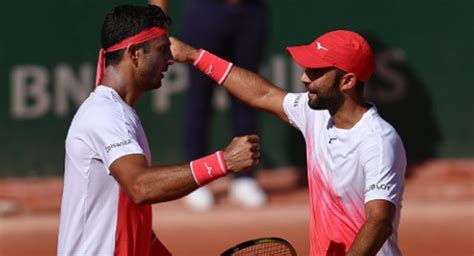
{"x": 304, "y": 56}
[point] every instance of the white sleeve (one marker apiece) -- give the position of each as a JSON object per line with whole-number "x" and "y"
{"x": 112, "y": 136}
{"x": 295, "y": 105}
{"x": 384, "y": 164}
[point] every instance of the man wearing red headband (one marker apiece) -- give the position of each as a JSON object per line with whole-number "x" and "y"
{"x": 356, "y": 160}
{"x": 109, "y": 183}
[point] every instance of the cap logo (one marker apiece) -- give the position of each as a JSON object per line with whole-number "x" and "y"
{"x": 320, "y": 47}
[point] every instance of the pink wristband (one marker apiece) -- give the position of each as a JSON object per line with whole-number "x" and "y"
{"x": 216, "y": 68}
{"x": 208, "y": 168}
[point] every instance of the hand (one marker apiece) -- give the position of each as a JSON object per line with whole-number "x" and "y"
{"x": 182, "y": 52}
{"x": 242, "y": 153}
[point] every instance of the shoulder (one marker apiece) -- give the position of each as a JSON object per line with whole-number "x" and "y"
{"x": 98, "y": 112}
{"x": 296, "y": 104}
{"x": 378, "y": 128}
{"x": 381, "y": 137}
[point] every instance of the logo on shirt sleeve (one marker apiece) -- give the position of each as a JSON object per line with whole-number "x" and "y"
{"x": 119, "y": 144}
{"x": 297, "y": 101}
{"x": 385, "y": 187}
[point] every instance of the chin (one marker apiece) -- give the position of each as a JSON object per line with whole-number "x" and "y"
{"x": 318, "y": 105}
{"x": 314, "y": 104}
{"x": 315, "y": 107}
{"x": 155, "y": 86}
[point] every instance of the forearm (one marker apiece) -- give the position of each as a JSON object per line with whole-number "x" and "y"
{"x": 253, "y": 90}
{"x": 165, "y": 183}
{"x": 243, "y": 84}
{"x": 371, "y": 237}
{"x": 147, "y": 185}
{"x": 174, "y": 182}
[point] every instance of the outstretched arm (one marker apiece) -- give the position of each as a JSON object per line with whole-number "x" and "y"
{"x": 247, "y": 86}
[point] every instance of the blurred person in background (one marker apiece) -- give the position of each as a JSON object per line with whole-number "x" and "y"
{"x": 356, "y": 160}
{"x": 236, "y": 30}
{"x": 109, "y": 183}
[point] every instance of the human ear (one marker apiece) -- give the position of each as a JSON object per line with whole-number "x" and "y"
{"x": 347, "y": 81}
{"x": 132, "y": 52}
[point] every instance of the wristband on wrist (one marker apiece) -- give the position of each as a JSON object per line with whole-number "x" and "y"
{"x": 216, "y": 68}
{"x": 208, "y": 168}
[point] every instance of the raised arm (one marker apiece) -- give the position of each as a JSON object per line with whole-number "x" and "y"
{"x": 247, "y": 86}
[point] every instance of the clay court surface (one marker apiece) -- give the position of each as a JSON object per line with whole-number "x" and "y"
{"x": 437, "y": 216}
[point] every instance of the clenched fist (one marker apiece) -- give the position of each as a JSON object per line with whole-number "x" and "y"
{"x": 182, "y": 52}
{"x": 242, "y": 153}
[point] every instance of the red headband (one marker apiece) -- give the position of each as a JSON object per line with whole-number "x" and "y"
{"x": 139, "y": 38}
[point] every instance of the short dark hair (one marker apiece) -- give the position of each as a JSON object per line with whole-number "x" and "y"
{"x": 127, "y": 20}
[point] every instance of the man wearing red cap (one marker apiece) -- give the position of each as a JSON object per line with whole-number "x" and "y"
{"x": 109, "y": 183}
{"x": 356, "y": 160}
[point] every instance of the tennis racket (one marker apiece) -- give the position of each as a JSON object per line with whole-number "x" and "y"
{"x": 262, "y": 247}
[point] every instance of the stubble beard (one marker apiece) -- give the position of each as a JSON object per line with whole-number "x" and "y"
{"x": 332, "y": 100}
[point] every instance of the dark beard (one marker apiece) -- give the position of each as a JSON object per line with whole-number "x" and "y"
{"x": 332, "y": 101}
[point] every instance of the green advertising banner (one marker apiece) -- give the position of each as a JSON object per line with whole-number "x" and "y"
{"x": 48, "y": 53}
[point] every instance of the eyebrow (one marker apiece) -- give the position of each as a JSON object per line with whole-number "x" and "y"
{"x": 165, "y": 44}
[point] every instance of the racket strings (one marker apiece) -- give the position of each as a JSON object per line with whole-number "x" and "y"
{"x": 265, "y": 249}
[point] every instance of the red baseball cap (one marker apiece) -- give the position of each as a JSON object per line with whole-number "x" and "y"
{"x": 342, "y": 49}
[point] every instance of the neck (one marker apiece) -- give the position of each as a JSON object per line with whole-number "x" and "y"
{"x": 348, "y": 114}
{"x": 122, "y": 82}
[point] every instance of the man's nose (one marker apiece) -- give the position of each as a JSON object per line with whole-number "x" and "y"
{"x": 304, "y": 78}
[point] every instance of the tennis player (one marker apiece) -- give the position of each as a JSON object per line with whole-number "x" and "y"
{"x": 109, "y": 183}
{"x": 356, "y": 160}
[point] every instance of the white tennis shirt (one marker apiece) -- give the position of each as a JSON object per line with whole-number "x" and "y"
{"x": 346, "y": 169}
{"x": 97, "y": 216}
